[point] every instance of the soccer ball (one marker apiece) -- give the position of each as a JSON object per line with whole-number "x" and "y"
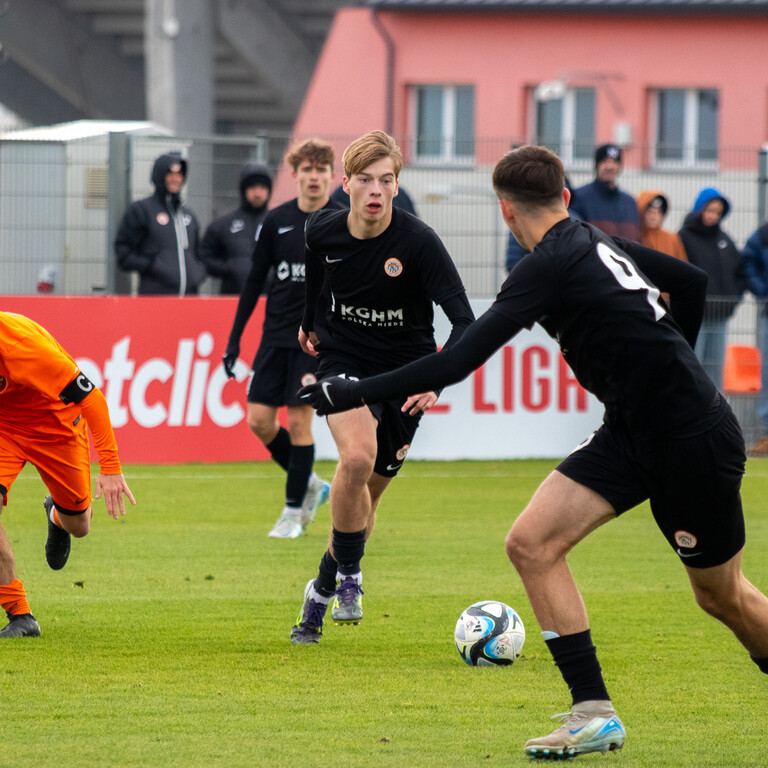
{"x": 489, "y": 634}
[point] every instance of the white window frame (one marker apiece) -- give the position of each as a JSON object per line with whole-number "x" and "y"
{"x": 568, "y": 120}
{"x": 448, "y": 155}
{"x": 689, "y": 159}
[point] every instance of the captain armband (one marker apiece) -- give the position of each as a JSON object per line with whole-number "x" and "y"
{"x": 77, "y": 390}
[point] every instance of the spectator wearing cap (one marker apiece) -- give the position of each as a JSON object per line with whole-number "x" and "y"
{"x": 711, "y": 249}
{"x": 228, "y": 243}
{"x": 602, "y": 203}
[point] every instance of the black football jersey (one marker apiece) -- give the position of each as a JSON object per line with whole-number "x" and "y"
{"x": 604, "y": 309}
{"x": 373, "y": 299}
{"x": 614, "y": 330}
{"x": 280, "y": 246}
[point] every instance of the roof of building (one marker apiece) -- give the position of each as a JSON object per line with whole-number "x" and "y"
{"x": 85, "y": 129}
{"x": 638, "y": 6}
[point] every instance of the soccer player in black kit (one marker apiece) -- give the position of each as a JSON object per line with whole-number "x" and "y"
{"x": 280, "y": 366}
{"x": 373, "y": 274}
{"x": 667, "y": 434}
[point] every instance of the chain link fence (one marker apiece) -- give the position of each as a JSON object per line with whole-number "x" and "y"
{"x": 62, "y": 198}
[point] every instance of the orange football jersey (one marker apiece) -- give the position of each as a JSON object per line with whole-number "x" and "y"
{"x": 34, "y": 369}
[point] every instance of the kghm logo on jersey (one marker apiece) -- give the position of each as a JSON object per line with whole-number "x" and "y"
{"x": 295, "y": 271}
{"x": 393, "y": 267}
{"x": 307, "y": 379}
{"x": 685, "y": 539}
{"x": 381, "y": 318}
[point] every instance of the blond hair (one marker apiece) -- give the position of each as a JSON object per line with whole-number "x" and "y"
{"x": 368, "y": 149}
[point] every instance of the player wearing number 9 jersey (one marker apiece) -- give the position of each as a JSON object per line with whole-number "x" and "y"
{"x": 667, "y": 434}
{"x": 46, "y": 406}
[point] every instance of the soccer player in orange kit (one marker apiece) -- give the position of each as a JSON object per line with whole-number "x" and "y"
{"x": 46, "y": 407}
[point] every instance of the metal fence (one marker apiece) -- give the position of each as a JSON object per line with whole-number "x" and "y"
{"x": 61, "y": 201}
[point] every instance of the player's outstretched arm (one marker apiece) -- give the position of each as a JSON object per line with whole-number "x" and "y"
{"x": 113, "y": 487}
{"x": 428, "y": 374}
{"x": 332, "y": 395}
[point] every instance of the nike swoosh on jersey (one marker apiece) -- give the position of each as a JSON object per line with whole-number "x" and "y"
{"x": 687, "y": 554}
{"x": 283, "y": 230}
{"x": 329, "y": 260}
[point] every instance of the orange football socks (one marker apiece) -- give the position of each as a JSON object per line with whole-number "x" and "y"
{"x": 13, "y": 598}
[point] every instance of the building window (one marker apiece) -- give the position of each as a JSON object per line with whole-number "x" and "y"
{"x": 444, "y": 127}
{"x": 685, "y": 127}
{"x": 564, "y": 121}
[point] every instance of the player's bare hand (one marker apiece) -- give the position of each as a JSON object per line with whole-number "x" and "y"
{"x": 308, "y": 342}
{"x": 416, "y": 404}
{"x": 113, "y": 487}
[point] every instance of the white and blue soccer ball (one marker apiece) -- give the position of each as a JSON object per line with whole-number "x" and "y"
{"x": 489, "y": 634}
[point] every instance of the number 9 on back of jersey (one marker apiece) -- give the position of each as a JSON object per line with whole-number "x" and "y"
{"x": 489, "y": 634}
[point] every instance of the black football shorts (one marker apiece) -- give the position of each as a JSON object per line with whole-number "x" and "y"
{"x": 395, "y": 430}
{"x": 693, "y": 482}
{"x": 278, "y": 374}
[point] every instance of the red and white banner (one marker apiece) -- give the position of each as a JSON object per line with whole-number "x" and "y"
{"x": 158, "y": 362}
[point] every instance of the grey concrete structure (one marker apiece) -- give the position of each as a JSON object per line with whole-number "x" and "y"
{"x": 213, "y": 66}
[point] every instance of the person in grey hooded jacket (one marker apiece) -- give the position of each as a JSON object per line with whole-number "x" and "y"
{"x": 159, "y": 235}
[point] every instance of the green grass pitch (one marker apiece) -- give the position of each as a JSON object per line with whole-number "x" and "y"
{"x": 166, "y": 637}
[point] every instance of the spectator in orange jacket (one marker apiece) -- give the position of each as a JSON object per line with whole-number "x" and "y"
{"x": 653, "y": 207}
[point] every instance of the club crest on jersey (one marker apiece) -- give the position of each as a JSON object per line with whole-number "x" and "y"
{"x": 307, "y": 379}
{"x": 162, "y": 218}
{"x": 685, "y": 539}
{"x": 393, "y": 267}
{"x": 402, "y": 452}
{"x": 3, "y": 383}
{"x": 236, "y": 226}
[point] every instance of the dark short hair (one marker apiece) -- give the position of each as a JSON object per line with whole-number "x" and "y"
{"x": 530, "y": 175}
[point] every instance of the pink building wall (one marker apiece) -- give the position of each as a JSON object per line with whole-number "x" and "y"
{"x": 503, "y": 54}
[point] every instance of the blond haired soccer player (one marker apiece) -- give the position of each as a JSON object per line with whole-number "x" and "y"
{"x": 667, "y": 434}
{"x": 47, "y": 404}
{"x": 280, "y": 367}
{"x": 373, "y": 275}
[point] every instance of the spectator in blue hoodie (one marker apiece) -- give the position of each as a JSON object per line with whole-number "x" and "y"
{"x": 754, "y": 264}
{"x": 602, "y": 203}
{"x": 711, "y": 249}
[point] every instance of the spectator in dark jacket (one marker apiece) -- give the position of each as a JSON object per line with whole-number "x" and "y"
{"x": 754, "y": 264}
{"x": 158, "y": 236}
{"x": 228, "y": 243}
{"x": 602, "y": 203}
{"x": 709, "y": 248}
